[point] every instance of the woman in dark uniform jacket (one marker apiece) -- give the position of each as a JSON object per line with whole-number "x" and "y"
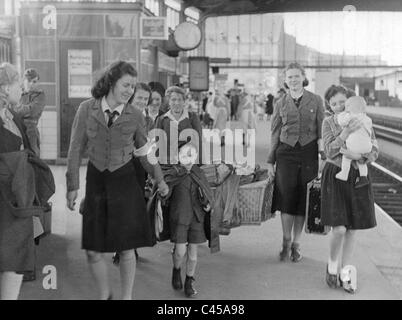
{"x": 186, "y": 221}
{"x": 295, "y": 140}
{"x": 343, "y": 206}
{"x": 114, "y": 213}
{"x": 16, "y": 240}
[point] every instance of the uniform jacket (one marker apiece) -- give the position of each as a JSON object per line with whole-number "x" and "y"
{"x": 108, "y": 148}
{"x": 291, "y": 124}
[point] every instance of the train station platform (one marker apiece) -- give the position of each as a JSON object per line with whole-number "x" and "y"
{"x": 246, "y": 268}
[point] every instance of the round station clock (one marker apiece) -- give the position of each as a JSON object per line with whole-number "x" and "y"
{"x": 187, "y": 36}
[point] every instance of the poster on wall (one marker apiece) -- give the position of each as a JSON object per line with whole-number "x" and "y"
{"x": 154, "y": 28}
{"x": 199, "y": 73}
{"x": 79, "y": 73}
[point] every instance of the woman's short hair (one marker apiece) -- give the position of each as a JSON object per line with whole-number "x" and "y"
{"x": 31, "y": 74}
{"x": 110, "y": 76}
{"x": 141, "y": 86}
{"x": 296, "y": 65}
{"x": 333, "y": 91}
{"x": 175, "y": 89}
{"x": 8, "y": 74}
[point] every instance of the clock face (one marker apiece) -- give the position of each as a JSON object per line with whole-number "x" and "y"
{"x": 187, "y": 36}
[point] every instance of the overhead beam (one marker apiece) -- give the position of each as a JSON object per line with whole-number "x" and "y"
{"x": 310, "y": 66}
{"x": 232, "y": 7}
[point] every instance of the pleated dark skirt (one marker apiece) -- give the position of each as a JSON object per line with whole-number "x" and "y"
{"x": 295, "y": 167}
{"x": 344, "y": 205}
{"x": 114, "y": 216}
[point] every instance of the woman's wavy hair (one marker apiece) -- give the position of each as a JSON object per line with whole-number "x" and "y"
{"x": 333, "y": 91}
{"x": 110, "y": 76}
{"x": 141, "y": 86}
{"x": 296, "y": 65}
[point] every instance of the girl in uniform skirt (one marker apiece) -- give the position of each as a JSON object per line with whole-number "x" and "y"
{"x": 343, "y": 206}
{"x": 295, "y": 144}
{"x": 114, "y": 213}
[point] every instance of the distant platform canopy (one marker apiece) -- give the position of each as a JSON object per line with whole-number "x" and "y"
{"x": 232, "y": 7}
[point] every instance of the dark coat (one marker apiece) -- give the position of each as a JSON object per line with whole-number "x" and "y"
{"x": 174, "y": 175}
{"x": 23, "y": 191}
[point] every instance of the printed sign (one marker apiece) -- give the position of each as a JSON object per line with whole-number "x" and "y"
{"x": 79, "y": 73}
{"x": 153, "y": 28}
{"x": 199, "y": 73}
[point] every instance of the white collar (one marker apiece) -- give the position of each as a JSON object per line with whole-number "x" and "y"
{"x": 171, "y": 116}
{"x": 298, "y": 96}
{"x": 105, "y": 106}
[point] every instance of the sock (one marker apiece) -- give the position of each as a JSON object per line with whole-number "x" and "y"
{"x": 10, "y": 285}
{"x": 332, "y": 266}
{"x": 345, "y": 276}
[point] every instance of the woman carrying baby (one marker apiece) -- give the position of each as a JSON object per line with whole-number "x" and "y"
{"x": 343, "y": 206}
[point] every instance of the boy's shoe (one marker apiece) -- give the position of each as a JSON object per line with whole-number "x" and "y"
{"x": 295, "y": 254}
{"x": 29, "y": 276}
{"x": 189, "y": 289}
{"x": 177, "y": 283}
{"x": 361, "y": 182}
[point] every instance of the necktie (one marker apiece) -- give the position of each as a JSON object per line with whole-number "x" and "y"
{"x": 111, "y": 117}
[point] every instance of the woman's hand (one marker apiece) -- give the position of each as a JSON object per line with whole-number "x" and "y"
{"x": 354, "y": 124}
{"x": 163, "y": 188}
{"x": 350, "y": 154}
{"x": 271, "y": 172}
{"x": 71, "y": 196}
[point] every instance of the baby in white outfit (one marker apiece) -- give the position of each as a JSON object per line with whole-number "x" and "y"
{"x": 358, "y": 141}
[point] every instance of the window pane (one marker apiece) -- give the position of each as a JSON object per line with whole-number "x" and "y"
{"x": 50, "y": 93}
{"x": 122, "y": 25}
{"x": 32, "y": 25}
{"x": 120, "y": 50}
{"x": 80, "y": 25}
{"x": 45, "y": 69}
{"x": 39, "y": 48}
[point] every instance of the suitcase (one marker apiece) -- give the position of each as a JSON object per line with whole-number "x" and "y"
{"x": 313, "y": 209}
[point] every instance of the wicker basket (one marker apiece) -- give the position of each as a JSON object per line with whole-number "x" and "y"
{"x": 254, "y": 201}
{"x": 253, "y": 204}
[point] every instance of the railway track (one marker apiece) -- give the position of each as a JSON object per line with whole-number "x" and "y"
{"x": 386, "y": 173}
{"x": 387, "y": 187}
{"x": 388, "y": 128}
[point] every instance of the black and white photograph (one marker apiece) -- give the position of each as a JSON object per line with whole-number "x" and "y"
{"x": 199, "y": 155}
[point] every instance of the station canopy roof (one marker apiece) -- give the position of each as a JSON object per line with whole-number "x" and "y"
{"x": 236, "y": 7}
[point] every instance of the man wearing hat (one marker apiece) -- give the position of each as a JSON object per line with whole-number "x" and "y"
{"x": 31, "y": 107}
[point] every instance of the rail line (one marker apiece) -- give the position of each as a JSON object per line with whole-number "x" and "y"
{"x": 387, "y": 188}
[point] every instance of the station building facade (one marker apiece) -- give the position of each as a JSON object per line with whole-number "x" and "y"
{"x": 71, "y": 44}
